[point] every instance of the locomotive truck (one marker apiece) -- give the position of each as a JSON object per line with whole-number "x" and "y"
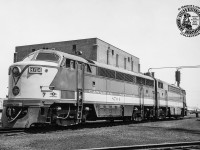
{"x": 57, "y": 88}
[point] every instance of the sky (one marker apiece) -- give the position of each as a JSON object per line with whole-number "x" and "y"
{"x": 145, "y": 28}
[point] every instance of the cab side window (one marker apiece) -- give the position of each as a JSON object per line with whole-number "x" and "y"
{"x": 88, "y": 68}
{"x": 80, "y": 66}
{"x": 69, "y": 63}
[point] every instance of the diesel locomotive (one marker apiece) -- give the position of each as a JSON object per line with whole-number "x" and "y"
{"x": 57, "y": 88}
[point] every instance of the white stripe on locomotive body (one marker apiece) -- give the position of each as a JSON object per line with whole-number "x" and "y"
{"x": 94, "y": 98}
{"x": 131, "y": 100}
{"x": 117, "y": 99}
{"x": 163, "y": 102}
{"x": 148, "y": 101}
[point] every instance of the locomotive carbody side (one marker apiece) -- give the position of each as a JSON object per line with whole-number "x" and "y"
{"x": 170, "y": 100}
{"x": 176, "y": 102}
{"x": 116, "y": 92}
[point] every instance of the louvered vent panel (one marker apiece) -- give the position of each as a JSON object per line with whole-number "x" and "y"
{"x": 120, "y": 76}
{"x": 149, "y": 82}
{"x": 140, "y": 80}
{"x": 110, "y": 73}
{"x": 128, "y": 78}
{"x": 106, "y": 73}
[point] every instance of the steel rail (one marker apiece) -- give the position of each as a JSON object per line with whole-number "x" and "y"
{"x": 16, "y": 130}
{"x": 151, "y": 146}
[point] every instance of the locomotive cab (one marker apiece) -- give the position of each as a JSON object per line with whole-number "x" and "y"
{"x": 37, "y": 86}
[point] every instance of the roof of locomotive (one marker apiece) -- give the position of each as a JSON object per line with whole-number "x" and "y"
{"x": 159, "y": 80}
{"x": 62, "y": 54}
{"x": 59, "y": 53}
{"x": 91, "y": 62}
{"x": 121, "y": 70}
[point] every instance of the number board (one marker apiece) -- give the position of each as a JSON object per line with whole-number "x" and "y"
{"x": 35, "y": 69}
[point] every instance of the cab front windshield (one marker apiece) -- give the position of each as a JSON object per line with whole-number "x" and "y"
{"x": 44, "y": 56}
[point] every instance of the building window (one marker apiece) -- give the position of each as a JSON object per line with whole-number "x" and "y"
{"x": 124, "y": 63}
{"x": 88, "y": 68}
{"x": 131, "y": 65}
{"x": 160, "y": 85}
{"x": 117, "y": 59}
{"x": 112, "y": 52}
{"x": 138, "y": 67}
{"x": 74, "y": 48}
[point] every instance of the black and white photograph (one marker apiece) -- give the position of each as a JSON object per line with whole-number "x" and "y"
{"x": 100, "y": 74}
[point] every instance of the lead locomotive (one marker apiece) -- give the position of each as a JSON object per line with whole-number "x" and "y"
{"x": 52, "y": 87}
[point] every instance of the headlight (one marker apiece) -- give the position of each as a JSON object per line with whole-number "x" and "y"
{"x": 16, "y": 71}
{"x": 15, "y": 90}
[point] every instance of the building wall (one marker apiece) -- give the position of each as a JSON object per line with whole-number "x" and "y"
{"x": 108, "y": 54}
{"x": 92, "y": 49}
{"x": 85, "y": 45}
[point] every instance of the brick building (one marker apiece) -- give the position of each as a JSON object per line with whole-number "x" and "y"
{"x": 93, "y": 49}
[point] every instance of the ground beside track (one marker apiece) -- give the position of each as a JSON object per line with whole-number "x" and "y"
{"x": 105, "y": 135}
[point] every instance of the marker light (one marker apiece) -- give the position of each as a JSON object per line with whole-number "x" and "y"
{"x": 10, "y": 111}
{"x": 58, "y": 108}
{"x": 15, "y": 90}
{"x": 16, "y": 71}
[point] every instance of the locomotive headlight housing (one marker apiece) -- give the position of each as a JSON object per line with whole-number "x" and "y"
{"x": 16, "y": 71}
{"x": 15, "y": 90}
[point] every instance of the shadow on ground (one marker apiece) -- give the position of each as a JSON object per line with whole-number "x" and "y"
{"x": 94, "y": 124}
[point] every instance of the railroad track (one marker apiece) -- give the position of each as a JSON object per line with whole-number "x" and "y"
{"x": 195, "y": 145}
{"x": 5, "y": 131}
{"x": 88, "y": 124}
{"x": 47, "y": 128}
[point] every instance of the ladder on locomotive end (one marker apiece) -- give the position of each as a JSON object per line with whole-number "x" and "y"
{"x": 79, "y": 105}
